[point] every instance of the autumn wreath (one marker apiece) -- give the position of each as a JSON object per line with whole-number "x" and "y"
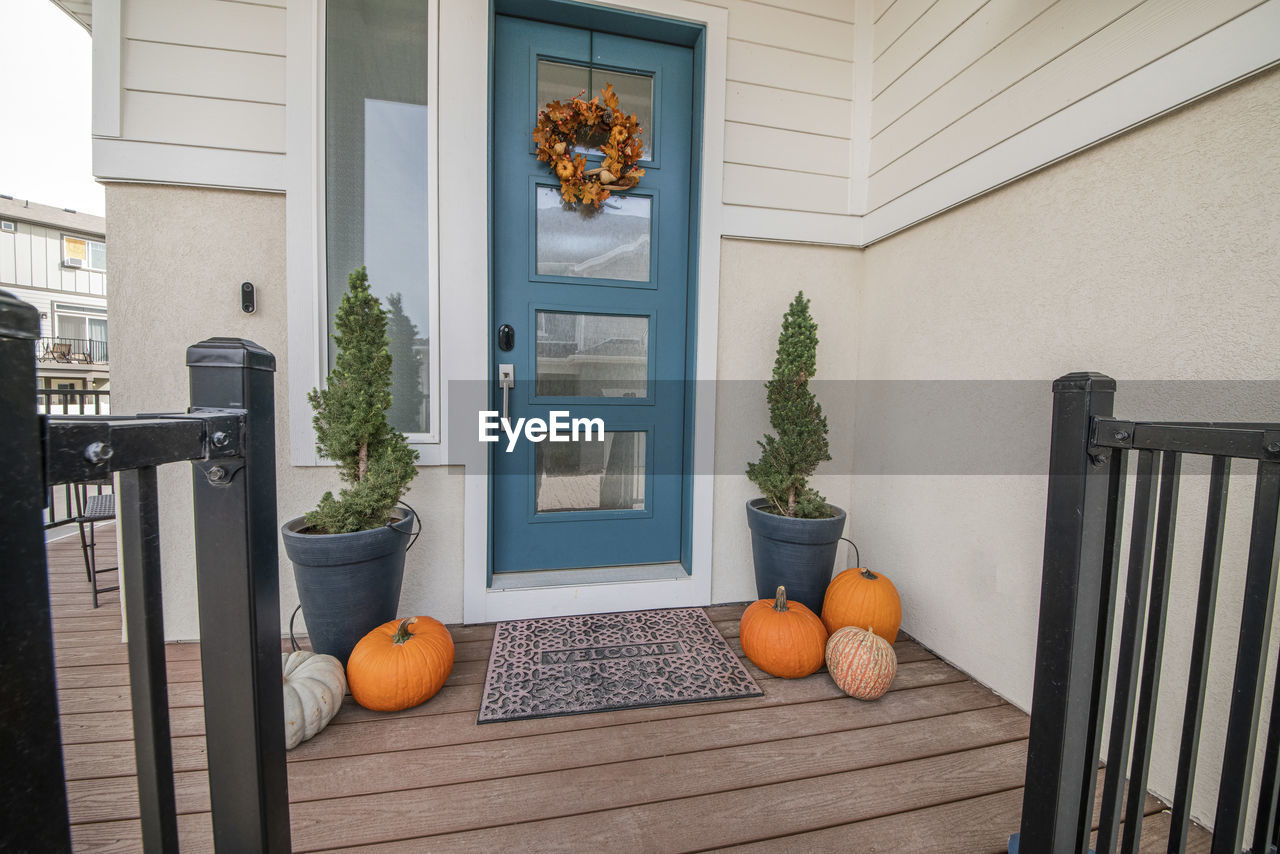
{"x": 589, "y": 124}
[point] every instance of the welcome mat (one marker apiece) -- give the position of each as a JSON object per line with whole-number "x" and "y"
{"x": 573, "y": 665}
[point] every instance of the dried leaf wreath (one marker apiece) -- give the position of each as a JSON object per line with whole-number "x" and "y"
{"x": 589, "y": 124}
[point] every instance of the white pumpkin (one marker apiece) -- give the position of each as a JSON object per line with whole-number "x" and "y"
{"x": 313, "y": 689}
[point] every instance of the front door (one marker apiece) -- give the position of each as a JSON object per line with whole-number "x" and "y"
{"x": 597, "y": 302}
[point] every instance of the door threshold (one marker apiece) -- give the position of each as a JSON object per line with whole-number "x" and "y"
{"x": 541, "y": 578}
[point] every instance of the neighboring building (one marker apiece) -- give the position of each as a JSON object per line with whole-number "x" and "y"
{"x": 967, "y": 190}
{"x": 56, "y": 259}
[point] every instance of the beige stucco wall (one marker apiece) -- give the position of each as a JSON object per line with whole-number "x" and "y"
{"x": 1151, "y": 257}
{"x": 758, "y": 280}
{"x": 178, "y": 258}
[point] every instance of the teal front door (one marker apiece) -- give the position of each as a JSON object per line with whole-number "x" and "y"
{"x": 594, "y": 309}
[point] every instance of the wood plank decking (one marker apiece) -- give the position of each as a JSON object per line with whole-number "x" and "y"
{"x": 934, "y": 766}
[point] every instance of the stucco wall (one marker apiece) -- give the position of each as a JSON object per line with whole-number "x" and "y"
{"x": 1152, "y": 257}
{"x": 758, "y": 280}
{"x": 178, "y": 258}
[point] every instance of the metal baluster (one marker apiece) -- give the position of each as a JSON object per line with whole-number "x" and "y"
{"x": 1144, "y": 511}
{"x": 33, "y": 799}
{"x": 1197, "y": 677}
{"x": 1269, "y": 789}
{"x": 1246, "y": 693}
{"x": 237, "y": 576}
{"x": 1062, "y": 752}
{"x": 1149, "y": 688}
{"x": 139, "y": 514}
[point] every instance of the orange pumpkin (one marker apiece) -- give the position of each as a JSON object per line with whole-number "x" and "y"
{"x": 861, "y": 662}
{"x": 400, "y": 664}
{"x": 782, "y": 638}
{"x": 860, "y": 597}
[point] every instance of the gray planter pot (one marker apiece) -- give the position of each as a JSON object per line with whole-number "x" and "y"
{"x": 349, "y": 584}
{"x": 797, "y": 554}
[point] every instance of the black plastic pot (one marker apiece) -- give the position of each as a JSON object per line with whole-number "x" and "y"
{"x": 349, "y": 584}
{"x": 797, "y": 554}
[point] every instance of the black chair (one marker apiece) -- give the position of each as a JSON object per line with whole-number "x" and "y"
{"x": 91, "y": 509}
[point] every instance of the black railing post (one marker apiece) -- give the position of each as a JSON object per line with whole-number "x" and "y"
{"x": 1062, "y": 754}
{"x": 239, "y": 590}
{"x": 148, "y": 680}
{"x": 33, "y": 800}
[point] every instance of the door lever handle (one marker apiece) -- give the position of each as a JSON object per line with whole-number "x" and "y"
{"x": 506, "y": 382}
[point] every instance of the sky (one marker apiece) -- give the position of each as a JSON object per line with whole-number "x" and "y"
{"x": 46, "y": 107}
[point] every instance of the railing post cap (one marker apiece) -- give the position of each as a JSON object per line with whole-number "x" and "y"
{"x": 230, "y": 353}
{"x": 1084, "y": 381}
{"x": 18, "y": 319}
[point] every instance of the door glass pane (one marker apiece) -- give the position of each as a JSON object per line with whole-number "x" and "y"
{"x": 579, "y": 241}
{"x": 592, "y": 355}
{"x": 558, "y": 81}
{"x": 592, "y": 475}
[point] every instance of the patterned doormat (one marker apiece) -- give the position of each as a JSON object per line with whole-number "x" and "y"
{"x": 572, "y": 665}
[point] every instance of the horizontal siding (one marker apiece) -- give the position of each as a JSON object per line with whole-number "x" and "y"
{"x": 760, "y": 105}
{"x": 786, "y": 69}
{"x": 837, "y": 10}
{"x": 783, "y": 190}
{"x": 785, "y": 149}
{"x": 207, "y": 23}
{"x": 779, "y": 27}
{"x": 991, "y": 25}
{"x": 204, "y": 72}
{"x": 895, "y": 22}
{"x": 1066, "y": 24}
{"x": 1072, "y": 50}
{"x": 925, "y": 34}
{"x": 789, "y": 104}
{"x": 209, "y": 122}
{"x": 201, "y": 73}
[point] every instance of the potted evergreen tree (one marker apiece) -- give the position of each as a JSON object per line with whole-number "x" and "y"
{"x": 348, "y": 553}
{"x": 794, "y": 531}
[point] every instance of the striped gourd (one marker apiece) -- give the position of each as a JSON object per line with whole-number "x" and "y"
{"x": 861, "y": 662}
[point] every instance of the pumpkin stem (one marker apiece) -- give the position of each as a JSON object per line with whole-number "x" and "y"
{"x": 780, "y": 600}
{"x": 868, "y": 574}
{"x": 402, "y": 632}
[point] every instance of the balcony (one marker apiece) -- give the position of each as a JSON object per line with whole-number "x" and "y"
{"x": 72, "y": 351}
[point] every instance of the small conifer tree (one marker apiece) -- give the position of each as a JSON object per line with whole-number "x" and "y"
{"x": 407, "y": 398}
{"x": 790, "y": 458}
{"x": 351, "y": 425}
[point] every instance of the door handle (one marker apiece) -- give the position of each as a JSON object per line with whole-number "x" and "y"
{"x": 506, "y": 382}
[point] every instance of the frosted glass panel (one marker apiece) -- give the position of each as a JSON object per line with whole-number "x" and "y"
{"x": 579, "y": 241}
{"x": 592, "y": 355}
{"x": 595, "y": 475}
{"x": 558, "y": 81}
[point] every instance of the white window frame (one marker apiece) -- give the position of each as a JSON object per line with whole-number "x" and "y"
{"x": 307, "y": 266}
{"x": 88, "y": 252}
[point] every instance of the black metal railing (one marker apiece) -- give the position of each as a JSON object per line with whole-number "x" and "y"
{"x": 228, "y": 435}
{"x": 73, "y": 401}
{"x": 1088, "y": 470}
{"x": 72, "y": 351}
{"x": 60, "y": 500}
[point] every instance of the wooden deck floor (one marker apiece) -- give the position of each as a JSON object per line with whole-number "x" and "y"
{"x": 934, "y": 766}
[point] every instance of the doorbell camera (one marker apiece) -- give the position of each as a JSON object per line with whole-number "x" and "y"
{"x": 247, "y": 300}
